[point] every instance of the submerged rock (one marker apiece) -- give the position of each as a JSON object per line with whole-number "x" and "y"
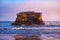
{"x": 29, "y": 18}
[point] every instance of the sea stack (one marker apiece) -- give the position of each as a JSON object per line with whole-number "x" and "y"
{"x": 29, "y": 18}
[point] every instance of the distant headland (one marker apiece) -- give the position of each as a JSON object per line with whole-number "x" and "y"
{"x": 29, "y": 18}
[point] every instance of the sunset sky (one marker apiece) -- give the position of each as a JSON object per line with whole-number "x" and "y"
{"x": 50, "y": 9}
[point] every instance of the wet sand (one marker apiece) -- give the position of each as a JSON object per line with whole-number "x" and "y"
{"x": 14, "y": 37}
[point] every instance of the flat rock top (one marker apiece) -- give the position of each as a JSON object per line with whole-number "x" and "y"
{"x": 29, "y": 18}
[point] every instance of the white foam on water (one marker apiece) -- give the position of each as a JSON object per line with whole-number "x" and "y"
{"x": 50, "y": 28}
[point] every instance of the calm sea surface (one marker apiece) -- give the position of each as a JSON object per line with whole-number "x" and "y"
{"x": 50, "y": 29}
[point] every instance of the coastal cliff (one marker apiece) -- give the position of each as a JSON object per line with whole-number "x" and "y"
{"x": 29, "y": 18}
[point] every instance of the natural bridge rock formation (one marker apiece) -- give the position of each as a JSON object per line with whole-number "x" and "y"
{"x": 29, "y": 18}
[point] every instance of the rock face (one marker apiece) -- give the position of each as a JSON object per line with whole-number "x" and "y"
{"x": 29, "y": 18}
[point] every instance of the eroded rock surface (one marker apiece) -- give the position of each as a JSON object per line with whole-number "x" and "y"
{"x": 29, "y": 18}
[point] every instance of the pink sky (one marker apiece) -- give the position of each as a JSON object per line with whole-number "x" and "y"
{"x": 50, "y": 9}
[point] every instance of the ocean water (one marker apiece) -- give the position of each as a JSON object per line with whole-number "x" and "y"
{"x": 50, "y": 31}
{"x": 8, "y": 24}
